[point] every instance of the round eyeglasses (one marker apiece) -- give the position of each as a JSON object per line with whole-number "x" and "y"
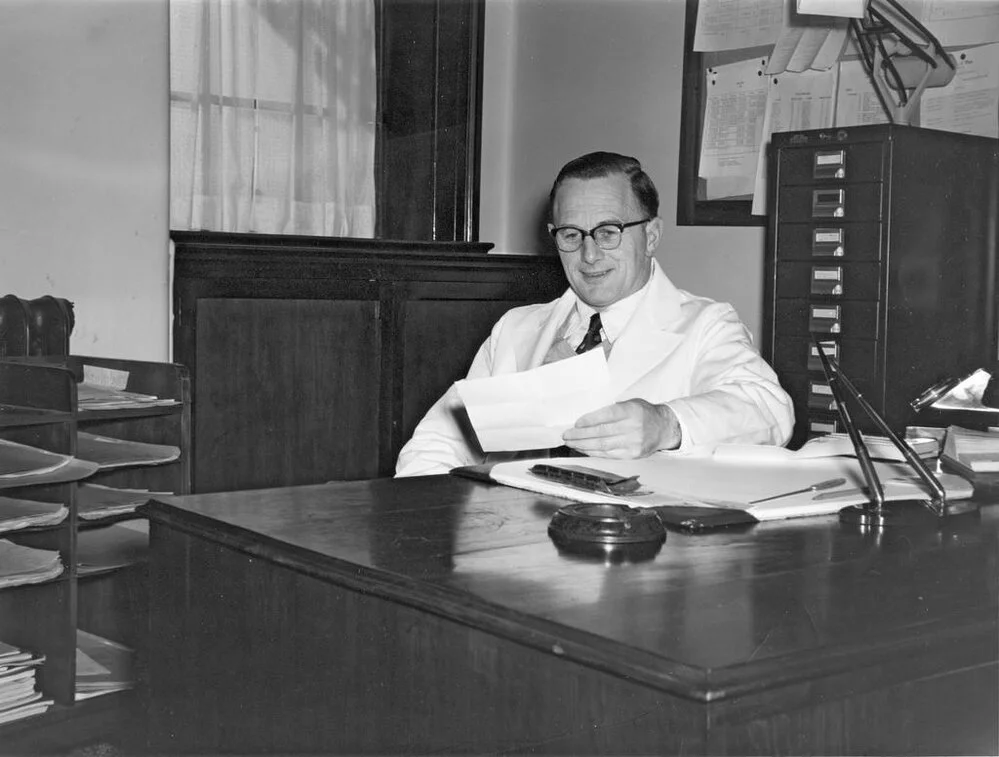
{"x": 607, "y": 236}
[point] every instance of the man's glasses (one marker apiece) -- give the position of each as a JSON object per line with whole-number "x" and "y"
{"x": 607, "y": 236}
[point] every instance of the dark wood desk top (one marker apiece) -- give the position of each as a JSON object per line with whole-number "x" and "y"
{"x": 711, "y": 616}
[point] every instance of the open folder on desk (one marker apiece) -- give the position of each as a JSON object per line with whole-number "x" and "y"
{"x": 730, "y": 484}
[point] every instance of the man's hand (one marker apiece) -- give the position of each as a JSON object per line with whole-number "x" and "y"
{"x": 629, "y": 429}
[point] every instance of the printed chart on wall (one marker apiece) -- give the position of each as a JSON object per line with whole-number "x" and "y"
{"x": 806, "y": 72}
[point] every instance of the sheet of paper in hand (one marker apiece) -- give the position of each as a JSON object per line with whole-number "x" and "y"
{"x": 532, "y": 409}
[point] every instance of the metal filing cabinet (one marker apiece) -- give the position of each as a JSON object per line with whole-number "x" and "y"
{"x": 882, "y": 242}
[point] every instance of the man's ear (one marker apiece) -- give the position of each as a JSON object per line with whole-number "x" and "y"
{"x": 653, "y": 235}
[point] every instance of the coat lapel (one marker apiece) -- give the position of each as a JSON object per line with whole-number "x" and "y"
{"x": 649, "y": 337}
{"x": 533, "y": 336}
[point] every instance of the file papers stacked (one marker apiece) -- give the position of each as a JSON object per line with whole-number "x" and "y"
{"x": 102, "y": 550}
{"x": 16, "y": 514}
{"x": 830, "y": 445}
{"x": 733, "y": 483}
{"x": 107, "y": 452}
{"x": 102, "y": 666}
{"x": 19, "y": 460}
{"x": 19, "y": 696}
{"x": 96, "y": 397}
{"x": 105, "y": 389}
{"x": 27, "y": 565}
{"x": 22, "y": 465}
{"x": 94, "y": 501}
{"x": 971, "y": 452}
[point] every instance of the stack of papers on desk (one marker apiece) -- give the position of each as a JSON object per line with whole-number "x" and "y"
{"x": 706, "y": 480}
{"x": 828, "y": 445}
{"x": 970, "y": 451}
{"x": 19, "y": 697}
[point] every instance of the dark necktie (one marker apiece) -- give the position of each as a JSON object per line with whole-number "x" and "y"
{"x": 592, "y": 338}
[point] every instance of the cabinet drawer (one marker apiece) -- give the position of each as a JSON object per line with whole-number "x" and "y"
{"x": 844, "y": 202}
{"x": 829, "y": 278}
{"x": 800, "y": 317}
{"x": 857, "y": 357}
{"x": 829, "y": 163}
{"x": 825, "y": 241}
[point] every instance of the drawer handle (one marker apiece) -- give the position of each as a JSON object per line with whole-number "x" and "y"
{"x": 827, "y": 280}
{"x": 825, "y": 319}
{"x": 829, "y": 164}
{"x": 828, "y": 203}
{"x": 823, "y": 427}
{"x": 828, "y": 243}
{"x": 831, "y": 349}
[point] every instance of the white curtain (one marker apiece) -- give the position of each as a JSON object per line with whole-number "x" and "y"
{"x": 272, "y": 116}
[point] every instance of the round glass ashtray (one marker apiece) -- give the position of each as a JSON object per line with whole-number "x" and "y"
{"x": 607, "y": 524}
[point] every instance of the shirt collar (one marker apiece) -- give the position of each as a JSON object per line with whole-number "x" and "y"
{"x": 615, "y": 317}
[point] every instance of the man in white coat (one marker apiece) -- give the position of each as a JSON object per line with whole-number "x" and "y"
{"x": 683, "y": 368}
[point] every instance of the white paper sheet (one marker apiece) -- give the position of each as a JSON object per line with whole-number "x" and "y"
{"x": 957, "y": 22}
{"x": 970, "y": 103}
{"x": 794, "y": 102}
{"x": 808, "y": 43}
{"x": 734, "y": 24}
{"x": 733, "y": 128}
{"x": 532, "y": 409}
{"x": 857, "y": 103}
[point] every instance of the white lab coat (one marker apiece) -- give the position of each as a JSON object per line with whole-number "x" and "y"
{"x": 688, "y": 351}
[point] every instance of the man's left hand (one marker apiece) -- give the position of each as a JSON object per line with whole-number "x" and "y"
{"x": 629, "y": 429}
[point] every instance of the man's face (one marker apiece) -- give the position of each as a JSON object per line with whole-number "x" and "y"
{"x": 602, "y": 277}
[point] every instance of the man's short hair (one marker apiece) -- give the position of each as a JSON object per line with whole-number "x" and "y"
{"x": 597, "y": 165}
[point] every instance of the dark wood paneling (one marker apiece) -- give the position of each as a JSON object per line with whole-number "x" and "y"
{"x": 312, "y": 359}
{"x": 302, "y": 374}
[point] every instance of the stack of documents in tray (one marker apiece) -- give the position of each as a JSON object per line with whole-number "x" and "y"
{"x": 107, "y": 452}
{"x": 16, "y": 514}
{"x": 96, "y": 397}
{"x": 102, "y": 666}
{"x": 104, "y": 388}
{"x": 19, "y": 460}
{"x": 94, "y": 501}
{"x": 19, "y": 695}
{"x": 27, "y": 565}
{"x": 22, "y": 465}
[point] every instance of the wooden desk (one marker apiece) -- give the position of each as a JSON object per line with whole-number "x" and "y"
{"x": 434, "y": 615}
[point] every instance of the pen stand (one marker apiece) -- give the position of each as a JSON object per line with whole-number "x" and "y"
{"x": 877, "y": 512}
